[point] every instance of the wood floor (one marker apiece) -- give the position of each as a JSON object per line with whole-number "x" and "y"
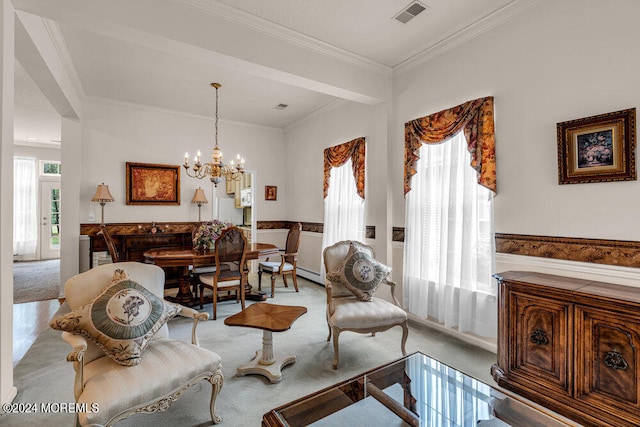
{"x": 29, "y": 320}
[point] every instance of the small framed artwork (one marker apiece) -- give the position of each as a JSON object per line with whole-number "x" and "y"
{"x": 151, "y": 184}
{"x": 598, "y": 148}
{"x": 270, "y": 192}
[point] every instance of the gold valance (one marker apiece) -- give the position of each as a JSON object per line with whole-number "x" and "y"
{"x": 338, "y": 155}
{"x": 475, "y": 118}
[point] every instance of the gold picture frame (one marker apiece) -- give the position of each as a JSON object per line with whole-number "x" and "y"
{"x": 152, "y": 184}
{"x": 270, "y": 192}
{"x": 598, "y": 148}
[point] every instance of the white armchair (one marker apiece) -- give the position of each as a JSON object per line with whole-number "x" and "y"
{"x": 165, "y": 370}
{"x": 347, "y": 312}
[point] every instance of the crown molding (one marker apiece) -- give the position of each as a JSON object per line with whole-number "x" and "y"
{"x": 60, "y": 44}
{"x": 112, "y": 101}
{"x": 462, "y": 36}
{"x": 278, "y": 31}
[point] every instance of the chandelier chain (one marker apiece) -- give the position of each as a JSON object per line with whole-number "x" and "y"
{"x": 216, "y": 169}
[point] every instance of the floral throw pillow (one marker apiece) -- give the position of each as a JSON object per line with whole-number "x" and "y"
{"x": 360, "y": 273}
{"x": 121, "y": 320}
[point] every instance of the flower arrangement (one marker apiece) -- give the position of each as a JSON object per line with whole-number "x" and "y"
{"x": 207, "y": 233}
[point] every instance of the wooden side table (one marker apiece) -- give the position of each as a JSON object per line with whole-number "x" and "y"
{"x": 270, "y": 318}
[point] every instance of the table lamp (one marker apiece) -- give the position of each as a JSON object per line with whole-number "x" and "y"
{"x": 102, "y": 196}
{"x": 199, "y": 199}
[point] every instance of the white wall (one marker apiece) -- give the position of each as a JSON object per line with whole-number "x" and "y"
{"x": 305, "y": 143}
{"x": 40, "y": 153}
{"x": 113, "y": 134}
{"x": 559, "y": 61}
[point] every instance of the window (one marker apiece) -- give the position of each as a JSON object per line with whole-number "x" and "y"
{"x": 25, "y": 216}
{"x": 50, "y": 168}
{"x": 343, "y": 208}
{"x": 449, "y": 251}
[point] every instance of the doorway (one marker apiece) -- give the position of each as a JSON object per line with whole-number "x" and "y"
{"x": 50, "y": 219}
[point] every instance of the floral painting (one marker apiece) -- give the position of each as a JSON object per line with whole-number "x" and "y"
{"x": 597, "y": 148}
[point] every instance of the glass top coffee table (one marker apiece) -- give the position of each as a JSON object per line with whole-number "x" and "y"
{"x": 416, "y": 391}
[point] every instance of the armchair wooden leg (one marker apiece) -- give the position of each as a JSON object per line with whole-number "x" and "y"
{"x": 284, "y": 280}
{"x": 216, "y": 381}
{"x": 336, "y": 333}
{"x": 201, "y": 296}
{"x": 405, "y": 334}
{"x": 259, "y": 279}
{"x": 295, "y": 280}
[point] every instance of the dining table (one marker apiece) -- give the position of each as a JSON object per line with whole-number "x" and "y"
{"x": 183, "y": 258}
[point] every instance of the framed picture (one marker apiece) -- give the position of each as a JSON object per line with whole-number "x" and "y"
{"x": 597, "y": 149}
{"x": 270, "y": 192}
{"x": 150, "y": 184}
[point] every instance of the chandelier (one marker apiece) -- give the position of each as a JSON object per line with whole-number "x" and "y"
{"x": 214, "y": 170}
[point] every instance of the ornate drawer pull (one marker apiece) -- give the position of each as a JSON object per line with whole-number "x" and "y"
{"x": 539, "y": 336}
{"x": 615, "y": 360}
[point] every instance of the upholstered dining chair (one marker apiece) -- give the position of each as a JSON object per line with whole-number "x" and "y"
{"x": 287, "y": 263}
{"x": 111, "y": 244}
{"x": 202, "y": 268}
{"x": 352, "y": 277}
{"x": 121, "y": 383}
{"x": 230, "y": 249}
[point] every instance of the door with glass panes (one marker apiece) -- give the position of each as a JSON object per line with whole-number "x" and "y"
{"x": 49, "y": 219}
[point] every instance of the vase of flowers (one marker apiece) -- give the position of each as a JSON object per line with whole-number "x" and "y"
{"x": 207, "y": 233}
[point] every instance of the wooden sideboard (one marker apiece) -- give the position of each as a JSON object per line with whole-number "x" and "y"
{"x": 571, "y": 345}
{"x": 133, "y": 246}
{"x": 132, "y": 240}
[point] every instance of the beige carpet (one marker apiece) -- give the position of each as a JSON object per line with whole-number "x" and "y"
{"x": 44, "y": 375}
{"x": 36, "y": 280}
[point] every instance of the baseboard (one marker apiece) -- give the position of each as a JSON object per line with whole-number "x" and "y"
{"x": 484, "y": 343}
{"x": 8, "y": 398}
{"x": 314, "y": 276}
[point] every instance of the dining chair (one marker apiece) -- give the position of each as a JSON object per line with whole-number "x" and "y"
{"x": 199, "y": 268}
{"x": 111, "y": 244}
{"x": 230, "y": 249}
{"x": 287, "y": 263}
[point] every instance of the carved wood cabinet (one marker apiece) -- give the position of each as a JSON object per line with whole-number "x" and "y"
{"x": 571, "y": 345}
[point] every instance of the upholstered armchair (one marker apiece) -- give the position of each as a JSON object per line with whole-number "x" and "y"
{"x": 352, "y": 277}
{"x": 143, "y": 381}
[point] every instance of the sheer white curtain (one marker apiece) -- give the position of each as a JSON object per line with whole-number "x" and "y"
{"x": 343, "y": 209}
{"x": 25, "y": 216}
{"x": 449, "y": 253}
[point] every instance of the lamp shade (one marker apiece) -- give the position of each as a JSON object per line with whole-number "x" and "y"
{"x": 102, "y": 194}
{"x": 199, "y": 197}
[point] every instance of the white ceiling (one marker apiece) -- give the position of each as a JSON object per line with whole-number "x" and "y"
{"x": 127, "y": 52}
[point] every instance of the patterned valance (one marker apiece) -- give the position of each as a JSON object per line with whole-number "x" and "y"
{"x": 338, "y": 155}
{"x": 475, "y": 118}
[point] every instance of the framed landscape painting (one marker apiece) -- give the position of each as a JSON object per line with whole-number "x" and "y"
{"x": 598, "y": 148}
{"x": 151, "y": 184}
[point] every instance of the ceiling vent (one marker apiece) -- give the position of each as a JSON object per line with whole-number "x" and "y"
{"x": 411, "y": 11}
{"x": 281, "y": 106}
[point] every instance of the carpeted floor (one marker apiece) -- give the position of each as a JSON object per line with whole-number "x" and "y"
{"x": 45, "y": 376}
{"x": 36, "y": 280}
